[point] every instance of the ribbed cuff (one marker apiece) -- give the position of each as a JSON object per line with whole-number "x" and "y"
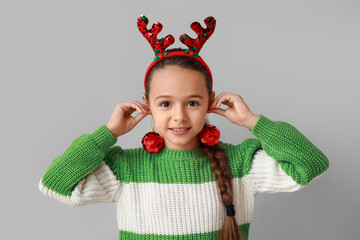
{"x": 264, "y": 128}
{"x": 103, "y": 138}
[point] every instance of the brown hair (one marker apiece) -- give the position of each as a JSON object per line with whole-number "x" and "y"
{"x": 216, "y": 154}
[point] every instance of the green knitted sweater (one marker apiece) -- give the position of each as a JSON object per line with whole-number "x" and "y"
{"x": 173, "y": 194}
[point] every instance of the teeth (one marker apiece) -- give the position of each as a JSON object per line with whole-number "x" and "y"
{"x": 179, "y": 130}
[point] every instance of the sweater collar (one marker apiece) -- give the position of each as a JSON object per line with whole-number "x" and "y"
{"x": 180, "y": 154}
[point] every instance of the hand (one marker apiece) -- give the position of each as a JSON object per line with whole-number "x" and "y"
{"x": 121, "y": 120}
{"x": 238, "y": 112}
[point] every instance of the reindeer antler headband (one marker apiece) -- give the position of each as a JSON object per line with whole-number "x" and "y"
{"x": 159, "y": 45}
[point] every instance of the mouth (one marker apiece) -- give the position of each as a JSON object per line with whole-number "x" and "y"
{"x": 180, "y": 128}
{"x": 180, "y": 131}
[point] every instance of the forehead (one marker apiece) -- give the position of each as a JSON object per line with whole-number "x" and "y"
{"x": 178, "y": 82}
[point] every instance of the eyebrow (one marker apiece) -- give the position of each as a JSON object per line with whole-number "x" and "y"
{"x": 190, "y": 96}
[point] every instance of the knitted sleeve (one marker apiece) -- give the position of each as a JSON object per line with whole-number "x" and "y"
{"x": 80, "y": 175}
{"x": 286, "y": 161}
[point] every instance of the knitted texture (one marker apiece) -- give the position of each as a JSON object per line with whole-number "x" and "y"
{"x": 173, "y": 194}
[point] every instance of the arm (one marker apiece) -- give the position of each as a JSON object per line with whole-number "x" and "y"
{"x": 287, "y": 160}
{"x": 80, "y": 175}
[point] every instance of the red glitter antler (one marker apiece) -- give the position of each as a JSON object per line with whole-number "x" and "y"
{"x": 158, "y": 45}
{"x": 195, "y": 45}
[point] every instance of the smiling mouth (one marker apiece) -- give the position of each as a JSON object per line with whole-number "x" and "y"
{"x": 179, "y": 129}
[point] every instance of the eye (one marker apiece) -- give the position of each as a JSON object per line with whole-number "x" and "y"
{"x": 164, "y": 104}
{"x": 193, "y": 103}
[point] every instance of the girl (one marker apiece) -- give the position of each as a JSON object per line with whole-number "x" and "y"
{"x": 186, "y": 190}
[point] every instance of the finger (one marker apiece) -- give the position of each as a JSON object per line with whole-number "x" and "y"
{"x": 127, "y": 108}
{"x": 228, "y": 99}
{"x": 228, "y": 102}
{"x": 139, "y": 104}
{"x": 218, "y": 111}
{"x": 223, "y": 99}
{"x": 144, "y": 106}
{"x": 139, "y": 117}
{"x": 218, "y": 97}
{"x": 131, "y": 107}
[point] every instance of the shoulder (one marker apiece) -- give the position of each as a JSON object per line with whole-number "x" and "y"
{"x": 117, "y": 153}
{"x": 240, "y": 155}
{"x": 245, "y": 148}
{"x": 123, "y": 159}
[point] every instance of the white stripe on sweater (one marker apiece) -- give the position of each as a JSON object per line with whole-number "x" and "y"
{"x": 175, "y": 209}
{"x": 100, "y": 185}
{"x": 267, "y": 176}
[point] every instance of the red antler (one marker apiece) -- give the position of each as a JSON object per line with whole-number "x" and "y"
{"x": 158, "y": 45}
{"x": 195, "y": 45}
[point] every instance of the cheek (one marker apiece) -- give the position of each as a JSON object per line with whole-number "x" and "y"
{"x": 159, "y": 118}
{"x": 199, "y": 118}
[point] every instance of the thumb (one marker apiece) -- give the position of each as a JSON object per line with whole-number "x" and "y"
{"x": 139, "y": 117}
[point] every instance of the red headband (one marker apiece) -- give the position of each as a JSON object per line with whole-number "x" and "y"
{"x": 159, "y": 45}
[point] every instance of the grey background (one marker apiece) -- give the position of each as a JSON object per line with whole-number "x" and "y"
{"x": 66, "y": 64}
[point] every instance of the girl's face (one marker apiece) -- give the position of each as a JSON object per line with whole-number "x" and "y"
{"x": 178, "y": 102}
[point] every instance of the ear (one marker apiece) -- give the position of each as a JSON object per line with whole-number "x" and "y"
{"x": 212, "y": 97}
{"x": 144, "y": 99}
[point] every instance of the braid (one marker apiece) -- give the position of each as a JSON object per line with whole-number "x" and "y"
{"x": 219, "y": 166}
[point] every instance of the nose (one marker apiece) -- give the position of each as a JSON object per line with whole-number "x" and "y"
{"x": 180, "y": 114}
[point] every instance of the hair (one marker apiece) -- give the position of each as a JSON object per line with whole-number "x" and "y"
{"x": 215, "y": 154}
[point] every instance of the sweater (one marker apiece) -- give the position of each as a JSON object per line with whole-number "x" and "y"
{"x": 173, "y": 194}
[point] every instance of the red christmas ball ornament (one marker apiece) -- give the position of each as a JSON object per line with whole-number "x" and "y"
{"x": 209, "y": 135}
{"x": 152, "y": 142}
